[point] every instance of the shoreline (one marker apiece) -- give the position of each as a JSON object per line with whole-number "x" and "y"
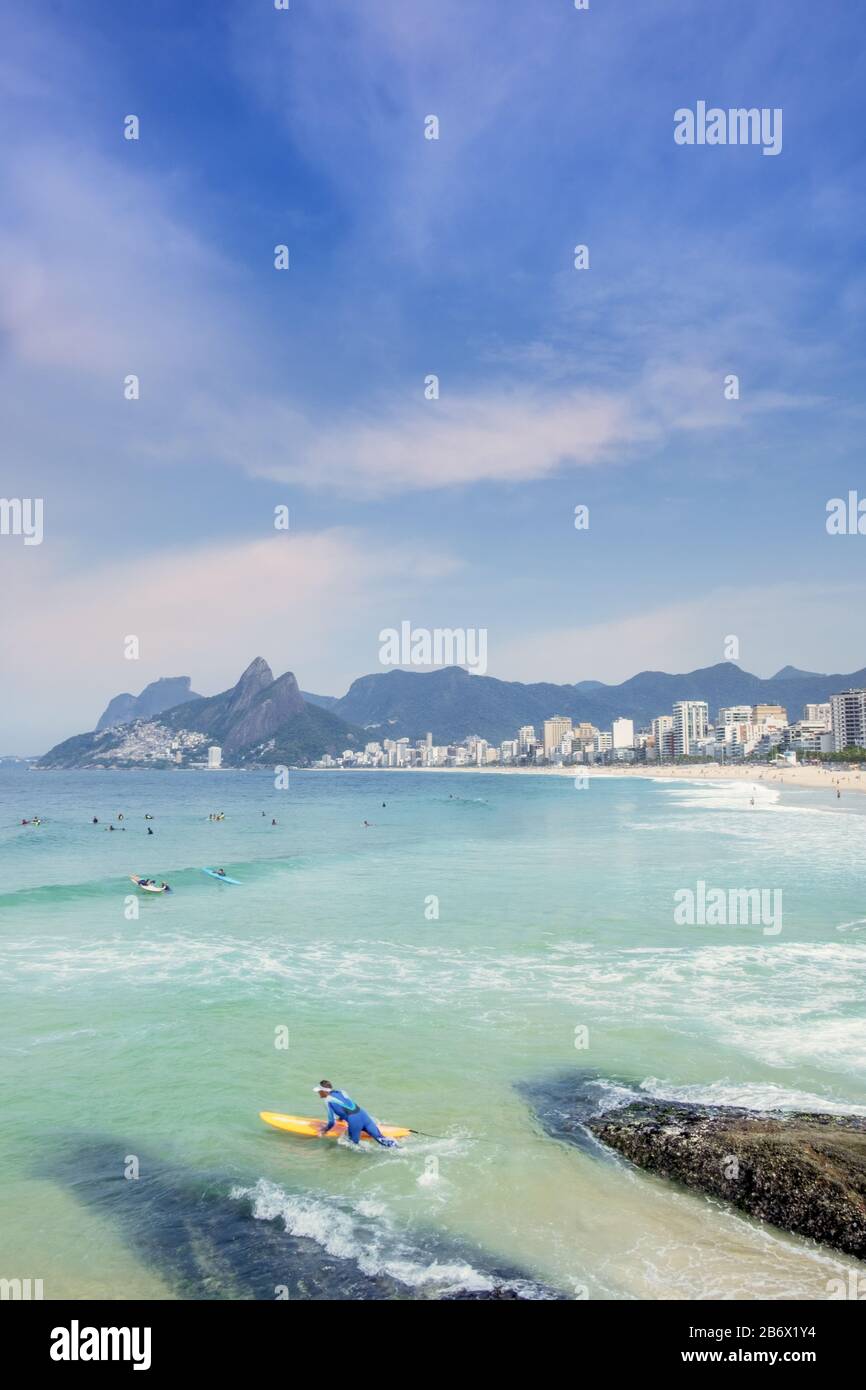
{"x": 792, "y": 778}
{"x": 789, "y": 778}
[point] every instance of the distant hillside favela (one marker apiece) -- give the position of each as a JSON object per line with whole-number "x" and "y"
{"x": 449, "y": 718}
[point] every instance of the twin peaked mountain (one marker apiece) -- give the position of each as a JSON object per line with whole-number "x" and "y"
{"x": 262, "y": 721}
{"x": 259, "y": 721}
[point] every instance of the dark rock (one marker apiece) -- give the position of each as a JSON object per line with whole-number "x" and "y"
{"x": 805, "y": 1173}
{"x": 198, "y": 1232}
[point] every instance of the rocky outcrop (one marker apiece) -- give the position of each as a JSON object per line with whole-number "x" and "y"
{"x": 273, "y": 707}
{"x": 805, "y": 1173}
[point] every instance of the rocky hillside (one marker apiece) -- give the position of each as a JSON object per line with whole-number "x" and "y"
{"x": 258, "y": 721}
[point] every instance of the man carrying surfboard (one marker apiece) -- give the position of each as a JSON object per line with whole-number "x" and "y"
{"x": 340, "y": 1107}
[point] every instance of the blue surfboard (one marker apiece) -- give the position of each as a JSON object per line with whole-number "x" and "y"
{"x": 222, "y": 878}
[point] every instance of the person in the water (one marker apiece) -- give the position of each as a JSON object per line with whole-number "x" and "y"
{"x": 340, "y": 1107}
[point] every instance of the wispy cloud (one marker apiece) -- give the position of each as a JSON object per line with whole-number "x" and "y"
{"x": 312, "y": 603}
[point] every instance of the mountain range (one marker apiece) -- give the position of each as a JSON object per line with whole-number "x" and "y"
{"x": 450, "y": 703}
{"x": 262, "y": 720}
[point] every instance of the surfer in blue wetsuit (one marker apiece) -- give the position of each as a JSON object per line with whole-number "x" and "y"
{"x": 340, "y": 1107}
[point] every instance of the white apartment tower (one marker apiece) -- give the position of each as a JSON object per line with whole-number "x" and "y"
{"x": 214, "y": 757}
{"x": 622, "y": 732}
{"x": 848, "y": 719}
{"x": 818, "y": 714}
{"x": 663, "y": 733}
{"x": 691, "y": 718}
{"x": 735, "y": 714}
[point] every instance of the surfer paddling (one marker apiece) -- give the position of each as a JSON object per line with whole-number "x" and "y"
{"x": 359, "y": 1122}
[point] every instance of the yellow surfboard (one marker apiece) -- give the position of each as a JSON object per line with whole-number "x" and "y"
{"x": 311, "y": 1128}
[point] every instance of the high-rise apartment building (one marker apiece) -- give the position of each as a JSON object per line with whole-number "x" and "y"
{"x": 691, "y": 720}
{"x": 818, "y": 714}
{"x": 555, "y": 730}
{"x": 769, "y": 714}
{"x": 663, "y": 733}
{"x": 526, "y": 737}
{"x": 622, "y": 732}
{"x": 848, "y": 719}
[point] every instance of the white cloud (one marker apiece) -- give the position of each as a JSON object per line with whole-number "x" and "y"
{"x": 437, "y": 444}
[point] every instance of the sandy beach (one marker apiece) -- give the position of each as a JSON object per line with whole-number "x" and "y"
{"x": 828, "y": 779}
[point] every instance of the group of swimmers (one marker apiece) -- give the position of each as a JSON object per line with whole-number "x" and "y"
{"x": 35, "y": 821}
{"x": 119, "y": 817}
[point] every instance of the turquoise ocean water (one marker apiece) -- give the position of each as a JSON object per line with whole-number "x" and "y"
{"x": 151, "y": 1041}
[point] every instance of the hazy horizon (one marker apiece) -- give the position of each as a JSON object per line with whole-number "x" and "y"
{"x": 540, "y": 679}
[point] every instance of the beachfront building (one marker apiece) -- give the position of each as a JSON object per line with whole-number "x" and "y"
{"x": 818, "y": 714}
{"x": 663, "y": 736}
{"x": 603, "y": 742}
{"x": 848, "y": 719}
{"x": 734, "y": 739}
{"x": 555, "y": 731}
{"x": 214, "y": 757}
{"x": 690, "y": 723}
{"x": 808, "y": 736}
{"x": 770, "y": 716}
{"x": 735, "y": 714}
{"x": 622, "y": 733}
{"x": 770, "y": 738}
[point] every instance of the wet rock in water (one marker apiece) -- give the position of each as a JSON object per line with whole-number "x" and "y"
{"x": 805, "y": 1173}
{"x": 209, "y": 1238}
{"x": 499, "y": 1292}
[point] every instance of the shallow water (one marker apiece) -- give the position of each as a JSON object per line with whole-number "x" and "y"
{"x": 155, "y": 1038}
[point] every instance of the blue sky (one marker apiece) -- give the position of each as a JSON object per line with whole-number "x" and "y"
{"x": 411, "y": 257}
